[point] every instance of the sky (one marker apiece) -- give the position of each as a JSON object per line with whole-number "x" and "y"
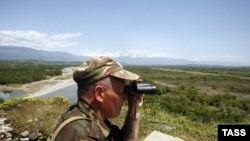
{"x": 196, "y": 30}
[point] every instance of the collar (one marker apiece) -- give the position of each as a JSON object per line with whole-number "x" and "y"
{"x": 87, "y": 110}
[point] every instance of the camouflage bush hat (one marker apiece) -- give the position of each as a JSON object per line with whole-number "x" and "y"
{"x": 98, "y": 68}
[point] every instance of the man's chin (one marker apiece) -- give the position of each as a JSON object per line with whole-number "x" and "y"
{"x": 115, "y": 116}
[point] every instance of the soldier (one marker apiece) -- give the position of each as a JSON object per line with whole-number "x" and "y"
{"x": 101, "y": 83}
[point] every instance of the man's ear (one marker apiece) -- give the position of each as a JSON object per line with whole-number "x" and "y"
{"x": 99, "y": 93}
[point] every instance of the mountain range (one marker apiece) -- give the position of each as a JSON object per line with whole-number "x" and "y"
{"x": 25, "y": 53}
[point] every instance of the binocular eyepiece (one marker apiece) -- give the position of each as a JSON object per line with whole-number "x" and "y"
{"x": 140, "y": 88}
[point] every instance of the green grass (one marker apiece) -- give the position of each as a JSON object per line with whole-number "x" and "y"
{"x": 33, "y": 114}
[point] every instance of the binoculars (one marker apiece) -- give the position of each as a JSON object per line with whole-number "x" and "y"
{"x": 140, "y": 88}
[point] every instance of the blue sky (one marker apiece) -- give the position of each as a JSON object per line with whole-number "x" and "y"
{"x": 197, "y": 30}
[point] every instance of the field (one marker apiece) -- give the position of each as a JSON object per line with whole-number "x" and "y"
{"x": 190, "y": 103}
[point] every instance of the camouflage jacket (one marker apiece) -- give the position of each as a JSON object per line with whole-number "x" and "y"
{"x": 84, "y": 129}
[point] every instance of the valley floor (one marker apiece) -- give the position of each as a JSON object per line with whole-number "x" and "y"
{"x": 42, "y": 87}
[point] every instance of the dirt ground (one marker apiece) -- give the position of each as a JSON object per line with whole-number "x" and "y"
{"x": 205, "y": 89}
{"x": 42, "y": 87}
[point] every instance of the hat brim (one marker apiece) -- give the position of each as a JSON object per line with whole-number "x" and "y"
{"x": 124, "y": 74}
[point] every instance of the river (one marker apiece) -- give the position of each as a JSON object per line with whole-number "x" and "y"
{"x": 9, "y": 94}
{"x": 69, "y": 92}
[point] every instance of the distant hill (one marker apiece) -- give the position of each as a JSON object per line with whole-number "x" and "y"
{"x": 24, "y": 53}
{"x": 153, "y": 61}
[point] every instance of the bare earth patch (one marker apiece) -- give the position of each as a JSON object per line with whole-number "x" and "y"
{"x": 211, "y": 91}
{"x": 165, "y": 84}
{"x": 42, "y": 87}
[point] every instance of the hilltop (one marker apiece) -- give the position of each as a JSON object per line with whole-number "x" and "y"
{"x": 25, "y": 53}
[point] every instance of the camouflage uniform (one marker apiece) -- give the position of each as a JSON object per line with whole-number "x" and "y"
{"x": 86, "y": 130}
{"x": 92, "y": 130}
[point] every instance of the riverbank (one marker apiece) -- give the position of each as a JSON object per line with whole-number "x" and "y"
{"x": 42, "y": 87}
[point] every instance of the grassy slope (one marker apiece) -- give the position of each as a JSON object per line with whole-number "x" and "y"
{"x": 33, "y": 114}
{"x": 41, "y": 115}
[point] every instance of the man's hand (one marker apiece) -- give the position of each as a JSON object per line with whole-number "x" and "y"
{"x": 135, "y": 102}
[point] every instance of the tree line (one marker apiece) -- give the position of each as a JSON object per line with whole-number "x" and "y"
{"x": 20, "y": 72}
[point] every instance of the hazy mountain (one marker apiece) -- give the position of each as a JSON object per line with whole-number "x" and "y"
{"x": 153, "y": 61}
{"x": 24, "y": 53}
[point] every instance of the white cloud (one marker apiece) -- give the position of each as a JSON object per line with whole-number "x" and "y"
{"x": 37, "y": 40}
{"x": 125, "y": 53}
{"x": 218, "y": 58}
{"x": 65, "y": 42}
{"x": 65, "y": 36}
{"x": 152, "y": 54}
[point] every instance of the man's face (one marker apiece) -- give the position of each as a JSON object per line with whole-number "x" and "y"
{"x": 114, "y": 97}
